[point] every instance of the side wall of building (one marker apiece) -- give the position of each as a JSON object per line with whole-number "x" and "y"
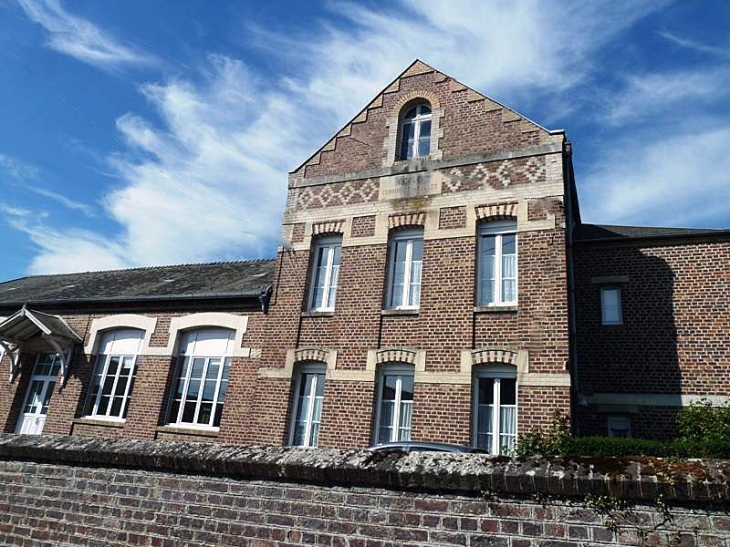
{"x": 672, "y": 344}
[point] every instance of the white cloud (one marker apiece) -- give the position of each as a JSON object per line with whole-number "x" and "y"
{"x": 717, "y": 51}
{"x": 80, "y": 38}
{"x": 208, "y": 179}
{"x": 63, "y": 251}
{"x": 666, "y": 95}
{"x": 679, "y": 180}
{"x": 27, "y": 177}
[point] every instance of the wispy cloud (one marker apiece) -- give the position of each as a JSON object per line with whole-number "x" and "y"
{"x": 27, "y": 177}
{"x": 721, "y": 52}
{"x": 207, "y": 180}
{"x": 678, "y": 180}
{"x": 80, "y": 38}
{"x": 667, "y": 94}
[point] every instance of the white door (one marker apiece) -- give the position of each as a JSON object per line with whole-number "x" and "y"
{"x": 40, "y": 388}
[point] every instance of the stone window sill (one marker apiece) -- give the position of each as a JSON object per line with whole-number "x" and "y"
{"x": 495, "y": 309}
{"x": 101, "y": 422}
{"x": 318, "y": 314}
{"x": 192, "y": 431}
{"x": 414, "y": 311}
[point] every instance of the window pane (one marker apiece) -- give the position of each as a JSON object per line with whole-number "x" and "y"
{"x": 508, "y": 391}
{"x": 486, "y": 269}
{"x": 424, "y": 139}
{"x": 610, "y": 300}
{"x": 404, "y": 428}
{"x": 47, "y": 397}
{"x": 406, "y": 143}
{"x": 406, "y": 388}
{"x": 34, "y": 396}
{"x": 386, "y": 420}
{"x": 486, "y": 391}
{"x": 320, "y": 273}
{"x": 399, "y": 272}
{"x": 334, "y": 275}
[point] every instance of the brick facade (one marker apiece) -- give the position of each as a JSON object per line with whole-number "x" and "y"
{"x": 486, "y": 167}
{"x": 673, "y": 341}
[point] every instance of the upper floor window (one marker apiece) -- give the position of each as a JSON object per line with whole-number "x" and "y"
{"x": 114, "y": 373}
{"x": 394, "y": 409}
{"x": 611, "y": 313}
{"x": 308, "y": 399}
{"x": 201, "y": 379}
{"x": 406, "y": 264}
{"x": 415, "y": 133}
{"x": 494, "y": 418}
{"x": 325, "y": 271}
{"x": 497, "y": 267}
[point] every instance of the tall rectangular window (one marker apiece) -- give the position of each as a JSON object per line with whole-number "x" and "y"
{"x": 201, "y": 380}
{"x": 495, "y": 411}
{"x": 611, "y": 313}
{"x": 308, "y": 400}
{"x": 394, "y": 412}
{"x": 325, "y": 271}
{"x": 114, "y": 373}
{"x": 406, "y": 265}
{"x": 497, "y": 265}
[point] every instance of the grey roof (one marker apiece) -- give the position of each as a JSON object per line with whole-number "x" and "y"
{"x": 216, "y": 279}
{"x": 598, "y": 232}
{"x": 26, "y": 324}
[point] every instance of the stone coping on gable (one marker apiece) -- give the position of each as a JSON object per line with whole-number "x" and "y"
{"x": 468, "y": 474}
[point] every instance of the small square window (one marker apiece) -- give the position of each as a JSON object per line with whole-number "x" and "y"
{"x": 619, "y": 426}
{"x": 611, "y": 313}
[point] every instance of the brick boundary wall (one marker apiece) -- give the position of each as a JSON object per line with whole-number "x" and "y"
{"x": 71, "y": 490}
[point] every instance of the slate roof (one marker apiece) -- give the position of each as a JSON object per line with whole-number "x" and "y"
{"x": 212, "y": 280}
{"x": 599, "y": 232}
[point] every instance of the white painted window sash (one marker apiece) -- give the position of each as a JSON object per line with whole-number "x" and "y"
{"x": 409, "y": 238}
{"x": 416, "y": 121}
{"x": 310, "y": 412}
{"x": 497, "y": 231}
{"x": 102, "y": 380}
{"x": 495, "y": 379}
{"x": 325, "y": 247}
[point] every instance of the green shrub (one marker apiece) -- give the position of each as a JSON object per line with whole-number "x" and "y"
{"x": 702, "y": 421}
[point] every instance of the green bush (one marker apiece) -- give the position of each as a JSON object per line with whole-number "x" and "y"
{"x": 701, "y": 421}
{"x": 704, "y": 433}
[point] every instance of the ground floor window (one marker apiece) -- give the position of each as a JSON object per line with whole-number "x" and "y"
{"x": 619, "y": 426}
{"x": 201, "y": 379}
{"x": 308, "y": 398}
{"x": 113, "y": 379}
{"x": 394, "y": 412}
{"x": 495, "y": 409}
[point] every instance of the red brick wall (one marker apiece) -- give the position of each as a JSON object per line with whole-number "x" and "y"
{"x": 676, "y": 320}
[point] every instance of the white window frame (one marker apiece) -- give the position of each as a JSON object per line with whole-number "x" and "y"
{"x": 619, "y": 305}
{"x": 618, "y": 423}
{"x": 416, "y": 121}
{"x": 398, "y": 370}
{"x": 497, "y": 373}
{"x": 320, "y": 245}
{"x": 409, "y": 236}
{"x": 176, "y": 421}
{"x": 315, "y": 369}
{"x": 498, "y": 230}
{"x": 103, "y": 360}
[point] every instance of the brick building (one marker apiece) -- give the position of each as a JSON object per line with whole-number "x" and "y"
{"x": 436, "y": 284}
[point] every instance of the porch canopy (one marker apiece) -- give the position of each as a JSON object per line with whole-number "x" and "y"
{"x": 30, "y": 330}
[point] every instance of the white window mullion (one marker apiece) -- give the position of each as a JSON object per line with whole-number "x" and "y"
{"x": 95, "y": 411}
{"x": 396, "y": 409}
{"x": 114, "y": 384}
{"x": 416, "y": 133}
{"x": 218, "y": 383}
{"x": 186, "y": 385}
{"x": 129, "y": 383}
{"x": 498, "y": 268}
{"x": 407, "y": 274}
{"x": 328, "y": 276}
{"x": 310, "y": 411}
{"x": 496, "y": 416}
{"x": 201, "y": 388}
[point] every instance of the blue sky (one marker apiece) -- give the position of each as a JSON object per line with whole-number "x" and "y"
{"x": 147, "y": 132}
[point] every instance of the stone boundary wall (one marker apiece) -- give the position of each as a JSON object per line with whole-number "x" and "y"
{"x": 70, "y": 490}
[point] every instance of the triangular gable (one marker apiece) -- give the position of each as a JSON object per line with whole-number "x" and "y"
{"x": 416, "y": 68}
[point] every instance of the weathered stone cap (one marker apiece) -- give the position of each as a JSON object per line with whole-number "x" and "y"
{"x": 469, "y": 474}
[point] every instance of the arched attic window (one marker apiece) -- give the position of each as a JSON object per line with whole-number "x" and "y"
{"x": 415, "y": 131}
